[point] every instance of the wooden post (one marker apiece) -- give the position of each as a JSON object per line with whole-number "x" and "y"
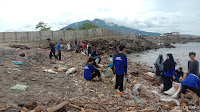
{"x": 64, "y": 34}
{"x": 40, "y": 33}
{"x": 4, "y": 37}
{"x": 27, "y": 34}
{"x": 52, "y": 35}
{"x": 16, "y": 37}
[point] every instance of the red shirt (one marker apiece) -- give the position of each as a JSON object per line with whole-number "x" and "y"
{"x": 84, "y": 46}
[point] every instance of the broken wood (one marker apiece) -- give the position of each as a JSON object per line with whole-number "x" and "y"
{"x": 57, "y": 107}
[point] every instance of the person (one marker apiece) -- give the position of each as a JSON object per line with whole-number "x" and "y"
{"x": 52, "y": 49}
{"x": 68, "y": 46}
{"x": 89, "y": 49}
{"x": 94, "y": 53}
{"x": 76, "y": 44}
{"x": 159, "y": 65}
{"x": 114, "y": 51}
{"x": 90, "y": 71}
{"x": 58, "y": 47}
{"x": 85, "y": 48}
{"x": 179, "y": 72}
{"x": 193, "y": 65}
{"x": 169, "y": 72}
{"x": 191, "y": 82}
{"x": 120, "y": 63}
{"x": 97, "y": 61}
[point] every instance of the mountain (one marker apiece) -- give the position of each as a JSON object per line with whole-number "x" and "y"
{"x": 112, "y": 26}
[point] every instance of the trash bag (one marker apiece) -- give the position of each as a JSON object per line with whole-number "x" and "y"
{"x": 50, "y": 71}
{"x": 174, "y": 90}
{"x": 71, "y": 71}
{"x": 135, "y": 89}
{"x": 107, "y": 72}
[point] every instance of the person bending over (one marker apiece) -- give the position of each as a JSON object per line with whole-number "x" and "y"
{"x": 90, "y": 71}
{"x": 97, "y": 61}
{"x": 191, "y": 82}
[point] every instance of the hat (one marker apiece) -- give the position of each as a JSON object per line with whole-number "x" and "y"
{"x": 48, "y": 39}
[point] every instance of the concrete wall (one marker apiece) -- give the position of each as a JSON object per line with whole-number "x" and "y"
{"x": 54, "y": 35}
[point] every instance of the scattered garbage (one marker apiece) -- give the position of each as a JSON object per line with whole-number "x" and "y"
{"x": 19, "y": 46}
{"x": 2, "y": 108}
{"x": 135, "y": 89}
{"x": 71, "y": 71}
{"x": 18, "y": 63}
{"x": 20, "y": 87}
{"x": 22, "y": 55}
{"x": 50, "y": 71}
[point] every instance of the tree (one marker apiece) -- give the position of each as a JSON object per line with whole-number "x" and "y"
{"x": 70, "y": 28}
{"x": 86, "y": 26}
{"x": 42, "y": 26}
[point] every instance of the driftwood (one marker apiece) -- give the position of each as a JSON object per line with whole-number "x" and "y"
{"x": 57, "y": 107}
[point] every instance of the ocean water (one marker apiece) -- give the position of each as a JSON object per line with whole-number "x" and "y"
{"x": 180, "y": 53}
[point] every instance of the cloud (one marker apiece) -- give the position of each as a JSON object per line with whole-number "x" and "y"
{"x": 152, "y": 15}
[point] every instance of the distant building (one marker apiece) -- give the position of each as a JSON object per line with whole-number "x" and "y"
{"x": 172, "y": 34}
{"x": 168, "y": 34}
{"x": 175, "y": 33}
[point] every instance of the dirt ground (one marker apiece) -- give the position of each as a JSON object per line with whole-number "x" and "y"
{"x": 51, "y": 89}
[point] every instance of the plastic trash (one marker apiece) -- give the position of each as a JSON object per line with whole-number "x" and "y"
{"x": 18, "y": 63}
{"x": 171, "y": 91}
{"x": 107, "y": 72}
{"x": 150, "y": 74}
{"x": 136, "y": 99}
{"x": 71, "y": 71}
{"x": 174, "y": 90}
{"x": 50, "y": 71}
{"x": 20, "y": 87}
{"x": 135, "y": 89}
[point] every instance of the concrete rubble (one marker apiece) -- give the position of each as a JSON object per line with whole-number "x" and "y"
{"x": 60, "y": 92}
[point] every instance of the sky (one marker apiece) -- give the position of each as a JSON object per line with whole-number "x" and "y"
{"x": 148, "y": 15}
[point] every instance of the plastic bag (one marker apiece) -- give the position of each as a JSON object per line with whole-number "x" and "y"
{"x": 107, "y": 72}
{"x": 135, "y": 89}
{"x": 71, "y": 71}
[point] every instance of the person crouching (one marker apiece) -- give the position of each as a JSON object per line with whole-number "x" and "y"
{"x": 90, "y": 72}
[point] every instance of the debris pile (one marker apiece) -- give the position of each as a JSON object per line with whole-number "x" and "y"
{"x": 58, "y": 92}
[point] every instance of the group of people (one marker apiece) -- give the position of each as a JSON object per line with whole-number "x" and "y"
{"x": 92, "y": 67}
{"x": 190, "y": 80}
{"x": 164, "y": 69}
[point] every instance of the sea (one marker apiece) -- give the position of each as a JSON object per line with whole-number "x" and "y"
{"x": 180, "y": 53}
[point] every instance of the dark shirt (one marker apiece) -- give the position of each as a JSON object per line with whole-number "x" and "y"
{"x": 179, "y": 74}
{"x": 193, "y": 67}
{"x": 94, "y": 53}
{"x": 51, "y": 46}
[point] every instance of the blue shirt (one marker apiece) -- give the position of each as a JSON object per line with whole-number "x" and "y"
{"x": 88, "y": 70}
{"x": 58, "y": 46}
{"x": 120, "y": 63}
{"x": 168, "y": 74}
{"x": 192, "y": 81}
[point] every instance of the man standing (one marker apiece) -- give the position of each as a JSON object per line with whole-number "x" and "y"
{"x": 58, "y": 47}
{"x": 193, "y": 65}
{"x": 85, "y": 48}
{"x": 120, "y": 63}
{"x": 52, "y": 49}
